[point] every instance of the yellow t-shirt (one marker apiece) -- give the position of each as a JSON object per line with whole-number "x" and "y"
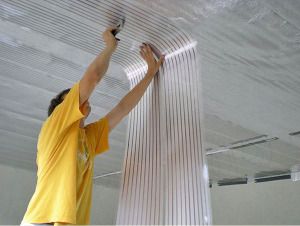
{"x": 65, "y": 161}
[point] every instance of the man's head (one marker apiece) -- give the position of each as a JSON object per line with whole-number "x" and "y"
{"x": 57, "y": 100}
{"x": 84, "y": 108}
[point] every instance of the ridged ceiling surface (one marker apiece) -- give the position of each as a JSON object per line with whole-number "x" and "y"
{"x": 250, "y": 74}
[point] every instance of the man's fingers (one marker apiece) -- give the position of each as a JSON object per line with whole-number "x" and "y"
{"x": 113, "y": 31}
{"x": 110, "y": 29}
{"x": 147, "y": 48}
{"x": 142, "y": 54}
{"x": 148, "y": 54}
{"x": 143, "y": 49}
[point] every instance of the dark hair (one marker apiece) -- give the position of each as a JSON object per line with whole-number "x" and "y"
{"x": 56, "y": 101}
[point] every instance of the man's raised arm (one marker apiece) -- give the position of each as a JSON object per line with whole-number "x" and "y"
{"x": 133, "y": 97}
{"x": 98, "y": 67}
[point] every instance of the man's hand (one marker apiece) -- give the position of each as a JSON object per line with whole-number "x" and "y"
{"x": 147, "y": 55}
{"x": 110, "y": 40}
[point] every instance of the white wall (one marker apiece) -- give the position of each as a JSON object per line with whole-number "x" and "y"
{"x": 105, "y": 205}
{"x": 17, "y": 187}
{"x": 265, "y": 203}
{"x": 276, "y": 202}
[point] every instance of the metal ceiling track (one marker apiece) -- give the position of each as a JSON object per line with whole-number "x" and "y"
{"x": 235, "y": 145}
{"x": 294, "y": 133}
{"x": 242, "y": 144}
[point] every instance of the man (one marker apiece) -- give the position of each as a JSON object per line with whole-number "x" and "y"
{"x": 66, "y": 148}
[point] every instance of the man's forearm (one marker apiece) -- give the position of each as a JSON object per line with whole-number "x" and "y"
{"x": 98, "y": 67}
{"x": 133, "y": 97}
{"x": 100, "y": 63}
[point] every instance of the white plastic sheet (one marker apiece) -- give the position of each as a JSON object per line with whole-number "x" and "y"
{"x": 165, "y": 176}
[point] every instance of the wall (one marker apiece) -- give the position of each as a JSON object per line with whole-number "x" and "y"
{"x": 276, "y": 202}
{"x": 105, "y": 205}
{"x": 265, "y": 203}
{"x": 17, "y": 187}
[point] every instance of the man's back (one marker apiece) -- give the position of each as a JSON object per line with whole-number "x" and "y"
{"x": 54, "y": 199}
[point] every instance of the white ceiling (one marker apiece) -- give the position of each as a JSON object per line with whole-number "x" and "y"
{"x": 250, "y": 57}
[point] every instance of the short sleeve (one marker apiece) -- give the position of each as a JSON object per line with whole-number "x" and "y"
{"x": 98, "y": 134}
{"x": 67, "y": 112}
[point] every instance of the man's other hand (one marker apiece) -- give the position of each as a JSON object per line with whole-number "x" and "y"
{"x": 147, "y": 55}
